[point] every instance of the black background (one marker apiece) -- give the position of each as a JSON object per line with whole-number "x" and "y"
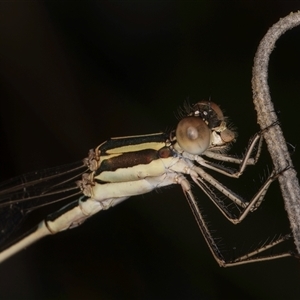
{"x": 74, "y": 75}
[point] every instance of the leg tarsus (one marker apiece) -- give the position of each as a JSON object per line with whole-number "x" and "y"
{"x": 211, "y": 242}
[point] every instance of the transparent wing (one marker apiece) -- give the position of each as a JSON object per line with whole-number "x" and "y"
{"x": 25, "y": 193}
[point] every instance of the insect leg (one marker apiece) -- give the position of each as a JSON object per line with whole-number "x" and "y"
{"x": 217, "y": 254}
{"x": 207, "y": 183}
{"x": 243, "y": 162}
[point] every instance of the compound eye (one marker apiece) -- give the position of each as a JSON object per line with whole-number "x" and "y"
{"x": 210, "y": 112}
{"x": 217, "y": 110}
{"x": 193, "y": 135}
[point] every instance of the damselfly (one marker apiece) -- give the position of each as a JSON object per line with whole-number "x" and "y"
{"x": 123, "y": 167}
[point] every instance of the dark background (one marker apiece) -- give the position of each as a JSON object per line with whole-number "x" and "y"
{"x": 72, "y": 75}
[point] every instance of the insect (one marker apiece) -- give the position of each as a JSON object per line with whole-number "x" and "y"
{"x": 126, "y": 166}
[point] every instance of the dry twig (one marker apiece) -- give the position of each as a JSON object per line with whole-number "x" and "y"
{"x": 266, "y": 116}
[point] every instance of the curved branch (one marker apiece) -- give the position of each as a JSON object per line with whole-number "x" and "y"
{"x": 266, "y": 116}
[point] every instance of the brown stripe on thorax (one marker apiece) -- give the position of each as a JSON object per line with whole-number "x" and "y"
{"x": 130, "y": 159}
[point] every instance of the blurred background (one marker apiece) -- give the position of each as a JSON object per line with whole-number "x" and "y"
{"x": 73, "y": 75}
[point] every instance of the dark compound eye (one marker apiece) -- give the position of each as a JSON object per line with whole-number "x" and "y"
{"x": 193, "y": 135}
{"x": 210, "y": 112}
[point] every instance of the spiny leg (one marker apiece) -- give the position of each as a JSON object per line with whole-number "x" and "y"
{"x": 203, "y": 178}
{"x": 207, "y": 183}
{"x": 243, "y": 162}
{"x": 217, "y": 254}
{"x": 255, "y": 142}
{"x": 250, "y": 257}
